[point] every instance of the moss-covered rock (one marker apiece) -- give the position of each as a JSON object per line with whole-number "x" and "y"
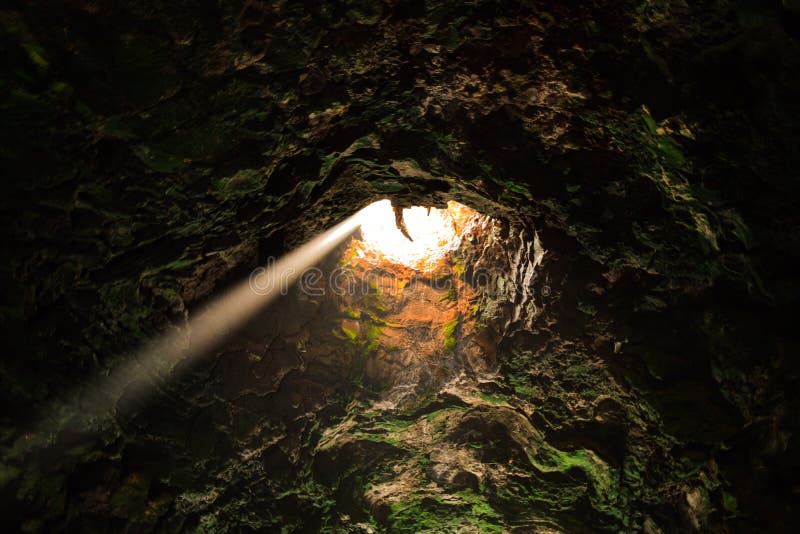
{"x": 635, "y": 376}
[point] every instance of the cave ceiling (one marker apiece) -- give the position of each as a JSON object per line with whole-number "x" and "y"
{"x": 633, "y": 166}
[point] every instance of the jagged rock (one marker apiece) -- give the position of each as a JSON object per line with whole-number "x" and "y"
{"x": 630, "y": 370}
{"x": 451, "y": 468}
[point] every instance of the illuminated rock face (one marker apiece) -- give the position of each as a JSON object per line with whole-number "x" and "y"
{"x": 639, "y": 156}
{"x": 414, "y": 306}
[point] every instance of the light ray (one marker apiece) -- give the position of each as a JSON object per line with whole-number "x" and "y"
{"x": 149, "y": 368}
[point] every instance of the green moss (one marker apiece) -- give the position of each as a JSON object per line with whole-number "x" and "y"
{"x": 450, "y": 329}
{"x": 730, "y": 503}
{"x": 438, "y": 418}
{"x": 367, "y": 335}
{"x": 312, "y": 492}
{"x": 469, "y": 513}
{"x": 664, "y": 147}
{"x": 580, "y": 375}
{"x": 520, "y": 384}
{"x": 381, "y": 438}
{"x": 411, "y": 517}
{"x": 604, "y": 494}
{"x": 459, "y": 267}
{"x": 379, "y": 321}
{"x": 388, "y": 186}
{"x": 35, "y": 54}
{"x": 450, "y": 295}
{"x": 494, "y": 398}
{"x": 350, "y": 333}
{"x": 434, "y": 414}
{"x": 515, "y": 187}
{"x": 374, "y": 298}
{"x": 328, "y": 162}
{"x": 394, "y": 425}
{"x": 372, "y": 336}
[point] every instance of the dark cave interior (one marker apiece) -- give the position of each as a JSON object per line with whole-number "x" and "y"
{"x": 604, "y": 343}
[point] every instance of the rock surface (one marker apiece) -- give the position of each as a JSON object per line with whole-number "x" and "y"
{"x": 639, "y": 155}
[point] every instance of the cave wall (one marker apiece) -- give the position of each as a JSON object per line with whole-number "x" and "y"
{"x": 155, "y": 153}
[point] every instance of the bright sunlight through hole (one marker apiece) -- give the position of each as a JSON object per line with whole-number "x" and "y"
{"x": 434, "y": 232}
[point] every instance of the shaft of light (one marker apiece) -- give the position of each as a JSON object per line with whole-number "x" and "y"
{"x": 150, "y": 367}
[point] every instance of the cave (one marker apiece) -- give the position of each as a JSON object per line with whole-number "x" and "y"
{"x": 400, "y": 266}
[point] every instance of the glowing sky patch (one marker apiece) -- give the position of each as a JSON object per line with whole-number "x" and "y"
{"x": 435, "y": 232}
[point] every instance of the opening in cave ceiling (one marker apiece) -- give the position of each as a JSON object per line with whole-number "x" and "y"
{"x": 432, "y": 233}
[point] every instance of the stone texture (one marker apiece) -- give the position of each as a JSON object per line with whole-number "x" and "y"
{"x": 154, "y": 153}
